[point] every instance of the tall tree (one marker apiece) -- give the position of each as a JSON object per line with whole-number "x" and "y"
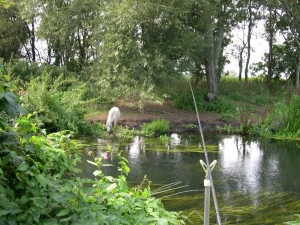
{"x": 145, "y": 41}
{"x": 253, "y": 15}
{"x": 292, "y": 19}
{"x": 66, "y": 27}
{"x": 13, "y": 33}
{"x": 211, "y": 22}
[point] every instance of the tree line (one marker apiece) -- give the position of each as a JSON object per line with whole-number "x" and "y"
{"x": 143, "y": 43}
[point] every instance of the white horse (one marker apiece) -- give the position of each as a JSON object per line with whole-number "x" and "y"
{"x": 113, "y": 116}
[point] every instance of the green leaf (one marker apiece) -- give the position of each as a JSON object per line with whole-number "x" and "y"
{"x": 111, "y": 187}
{"x": 24, "y": 199}
{"x": 5, "y": 77}
{"x": 13, "y": 208}
{"x": 2, "y": 189}
{"x": 10, "y": 97}
{"x": 145, "y": 193}
{"x": 42, "y": 180}
{"x": 5, "y": 160}
{"x": 23, "y": 167}
{"x": 63, "y": 212}
{"x": 3, "y": 212}
{"x": 97, "y": 173}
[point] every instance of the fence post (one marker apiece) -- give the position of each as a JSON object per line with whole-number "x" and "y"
{"x": 207, "y": 190}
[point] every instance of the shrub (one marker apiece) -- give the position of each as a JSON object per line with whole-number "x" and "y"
{"x": 156, "y": 127}
{"x": 58, "y": 109}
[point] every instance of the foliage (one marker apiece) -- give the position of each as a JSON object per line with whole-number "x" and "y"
{"x": 158, "y": 126}
{"x": 26, "y": 71}
{"x": 128, "y": 43}
{"x": 294, "y": 222}
{"x": 38, "y": 183}
{"x": 221, "y": 105}
{"x": 282, "y": 121}
{"x": 164, "y": 137}
{"x": 13, "y": 32}
{"x": 227, "y": 129}
{"x": 31, "y": 165}
{"x": 289, "y": 118}
{"x": 59, "y": 103}
{"x": 125, "y": 132}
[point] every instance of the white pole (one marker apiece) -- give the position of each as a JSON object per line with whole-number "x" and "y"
{"x": 206, "y": 201}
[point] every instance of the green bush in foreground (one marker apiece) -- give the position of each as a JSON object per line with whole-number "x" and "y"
{"x": 39, "y": 186}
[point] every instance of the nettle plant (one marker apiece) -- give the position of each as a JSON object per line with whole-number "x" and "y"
{"x": 38, "y": 183}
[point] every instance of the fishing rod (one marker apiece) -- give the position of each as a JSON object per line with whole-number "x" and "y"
{"x": 207, "y": 161}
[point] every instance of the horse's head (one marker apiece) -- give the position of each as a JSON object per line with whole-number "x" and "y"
{"x": 108, "y": 127}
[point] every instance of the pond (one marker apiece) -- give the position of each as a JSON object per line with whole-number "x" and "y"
{"x": 257, "y": 181}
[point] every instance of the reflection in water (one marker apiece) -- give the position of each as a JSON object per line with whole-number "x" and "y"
{"x": 254, "y": 179}
{"x": 136, "y": 147}
{"x": 244, "y": 167}
{"x": 242, "y": 161}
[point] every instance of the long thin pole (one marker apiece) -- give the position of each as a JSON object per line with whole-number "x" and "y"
{"x": 207, "y": 162}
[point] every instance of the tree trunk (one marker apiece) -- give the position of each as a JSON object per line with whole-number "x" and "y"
{"x": 33, "y": 40}
{"x": 212, "y": 61}
{"x": 250, "y": 25}
{"x": 241, "y": 63}
{"x": 270, "y": 57}
{"x": 211, "y": 78}
{"x": 297, "y": 89}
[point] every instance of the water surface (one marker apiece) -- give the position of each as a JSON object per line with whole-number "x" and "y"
{"x": 257, "y": 180}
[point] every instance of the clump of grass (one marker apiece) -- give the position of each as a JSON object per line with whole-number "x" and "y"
{"x": 290, "y": 118}
{"x": 294, "y": 222}
{"x": 155, "y": 128}
{"x": 125, "y": 132}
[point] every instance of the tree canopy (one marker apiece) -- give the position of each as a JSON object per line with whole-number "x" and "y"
{"x": 139, "y": 44}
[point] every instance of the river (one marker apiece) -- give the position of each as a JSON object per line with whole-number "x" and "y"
{"x": 257, "y": 181}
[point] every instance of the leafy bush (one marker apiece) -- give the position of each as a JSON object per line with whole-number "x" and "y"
{"x": 58, "y": 109}
{"x": 156, "y": 127}
{"x": 27, "y": 71}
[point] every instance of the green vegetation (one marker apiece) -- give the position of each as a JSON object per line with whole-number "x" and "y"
{"x": 98, "y": 53}
{"x": 239, "y": 209}
{"x": 38, "y": 183}
{"x": 155, "y": 128}
{"x": 294, "y": 222}
{"x": 60, "y": 100}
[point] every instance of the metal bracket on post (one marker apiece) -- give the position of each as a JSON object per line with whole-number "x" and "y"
{"x": 212, "y": 165}
{"x": 207, "y": 190}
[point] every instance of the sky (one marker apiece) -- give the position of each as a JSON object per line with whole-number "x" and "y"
{"x": 259, "y": 47}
